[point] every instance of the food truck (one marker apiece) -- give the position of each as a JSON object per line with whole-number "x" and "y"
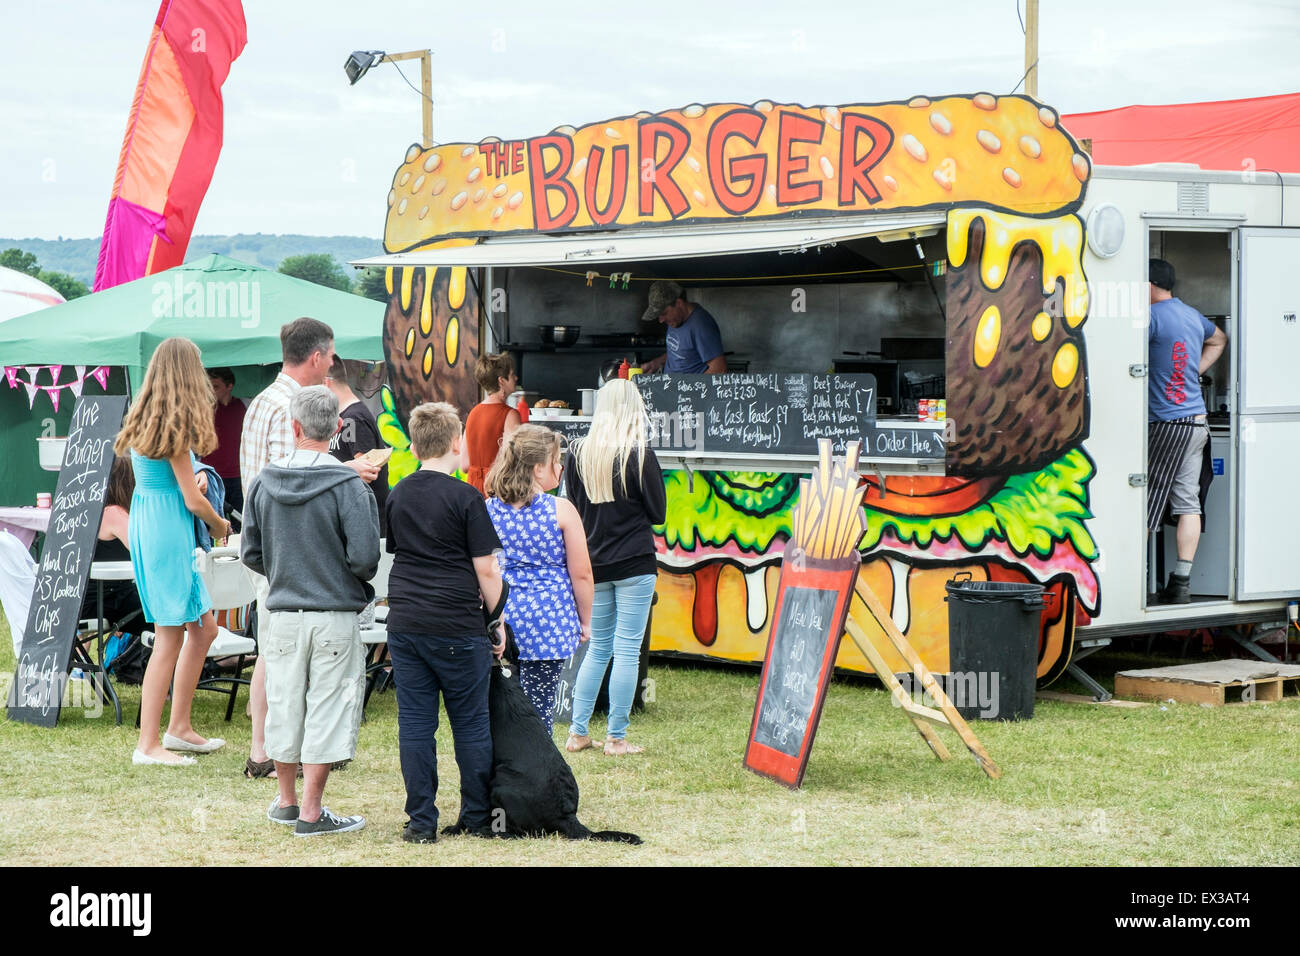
{"x": 878, "y": 259}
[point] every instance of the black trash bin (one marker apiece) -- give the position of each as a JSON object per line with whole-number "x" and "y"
{"x": 993, "y": 629}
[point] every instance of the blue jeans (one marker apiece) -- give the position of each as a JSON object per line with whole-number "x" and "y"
{"x": 458, "y": 667}
{"x": 619, "y": 610}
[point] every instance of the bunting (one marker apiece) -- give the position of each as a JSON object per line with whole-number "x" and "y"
{"x": 53, "y": 390}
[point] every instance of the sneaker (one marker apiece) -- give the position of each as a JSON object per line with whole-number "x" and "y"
{"x": 328, "y": 823}
{"x": 1177, "y": 591}
{"x": 412, "y": 835}
{"x": 278, "y": 814}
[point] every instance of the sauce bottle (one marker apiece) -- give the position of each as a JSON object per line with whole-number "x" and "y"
{"x": 622, "y": 369}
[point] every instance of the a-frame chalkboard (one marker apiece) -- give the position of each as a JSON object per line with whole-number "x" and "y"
{"x": 818, "y": 570}
{"x": 61, "y": 576}
{"x": 819, "y": 579}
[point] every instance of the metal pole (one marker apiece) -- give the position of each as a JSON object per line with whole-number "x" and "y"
{"x": 1031, "y": 48}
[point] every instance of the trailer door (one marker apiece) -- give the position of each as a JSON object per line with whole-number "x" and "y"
{"x": 1268, "y": 414}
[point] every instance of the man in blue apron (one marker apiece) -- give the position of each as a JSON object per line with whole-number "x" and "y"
{"x": 1182, "y": 344}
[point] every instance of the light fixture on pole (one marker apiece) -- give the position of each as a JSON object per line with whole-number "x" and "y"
{"x": 360, "y": 61}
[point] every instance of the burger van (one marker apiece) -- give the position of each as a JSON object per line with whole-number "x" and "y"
{"x": 948, "y": 280}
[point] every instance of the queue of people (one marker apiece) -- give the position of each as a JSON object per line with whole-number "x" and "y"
{"x": 579, "y": 568}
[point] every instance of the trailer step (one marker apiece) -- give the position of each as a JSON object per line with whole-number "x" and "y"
{"x": 1212, "y": 683}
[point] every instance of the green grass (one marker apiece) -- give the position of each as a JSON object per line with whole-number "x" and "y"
{"x": 1176, "y": 784}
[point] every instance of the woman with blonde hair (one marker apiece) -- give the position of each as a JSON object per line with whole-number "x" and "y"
{"x": 544, "y": 560}
{"x": 614, "y": 481}
{"x": 170, "y": 417}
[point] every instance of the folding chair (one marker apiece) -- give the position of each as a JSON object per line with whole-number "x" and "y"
{"x": 230, "y": 588}
{"x": 375, "y": 634}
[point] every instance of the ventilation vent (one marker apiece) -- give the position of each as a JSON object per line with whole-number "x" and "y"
{"x": 1194, "y": 197}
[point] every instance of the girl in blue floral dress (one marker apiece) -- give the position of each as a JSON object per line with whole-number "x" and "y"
{"x": 544, "y": 560}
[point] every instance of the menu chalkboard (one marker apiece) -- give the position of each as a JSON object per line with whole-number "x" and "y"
{"x": 794, "y": 665}
{"x": 775, "y": 413}
{"x": 64, "y": 568}
{"x": 770, "y": 414}
{"x": 812, "y": 603}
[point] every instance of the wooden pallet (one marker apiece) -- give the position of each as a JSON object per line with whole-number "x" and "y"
{"x": 1212, "y": 684}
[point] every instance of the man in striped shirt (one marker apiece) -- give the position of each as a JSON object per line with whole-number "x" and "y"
{"x": 307, "y": 348}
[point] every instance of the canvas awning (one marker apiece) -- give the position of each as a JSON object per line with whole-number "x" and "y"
{"x": 230, "y": 309}
{"x": 666, "y": 242}
{"x": 1244, "y": 136}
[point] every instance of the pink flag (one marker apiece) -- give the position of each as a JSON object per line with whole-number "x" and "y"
{"x": 173, "y": 138}
{"x": 55, "y": 372}
{"x": 101, "y": 376}
{"x": 11, "y": 373}
{"x": 54, "y": 396}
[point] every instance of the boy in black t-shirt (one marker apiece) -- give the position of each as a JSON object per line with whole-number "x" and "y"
{"x": 443, "y": 570}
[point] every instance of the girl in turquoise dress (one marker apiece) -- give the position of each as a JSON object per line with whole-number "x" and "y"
{"x": 169, "y": 416}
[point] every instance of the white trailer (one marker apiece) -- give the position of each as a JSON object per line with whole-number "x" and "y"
{"x": 1235, "y": 247}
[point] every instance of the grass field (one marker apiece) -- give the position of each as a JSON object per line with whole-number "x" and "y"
{"x": 1081, "y": 785}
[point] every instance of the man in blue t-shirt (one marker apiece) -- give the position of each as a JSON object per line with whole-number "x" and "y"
{"x": 1182, "y": 344}
{"x": 694, "y": 344}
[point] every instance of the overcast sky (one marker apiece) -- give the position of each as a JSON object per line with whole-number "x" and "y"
{"x": 306, "y": 153}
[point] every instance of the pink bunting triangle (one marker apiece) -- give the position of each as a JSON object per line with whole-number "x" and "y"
{"x": 101, "y": 376}
{"x": 11, "y": 374}
{"x": 53, "y": 392}
{"x": 55, "y": 371}
{"x": 31, "y": 393}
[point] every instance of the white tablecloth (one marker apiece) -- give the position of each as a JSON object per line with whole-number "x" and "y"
{"x": 23, "y": 523}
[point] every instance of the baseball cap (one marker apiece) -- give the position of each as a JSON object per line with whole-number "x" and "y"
{"x": 662, "y": 295}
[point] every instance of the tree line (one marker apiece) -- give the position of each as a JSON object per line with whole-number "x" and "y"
{"x": 315, "y": 267}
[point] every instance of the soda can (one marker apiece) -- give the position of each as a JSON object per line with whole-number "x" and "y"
{"x": 941, "y": 410}
{"x": 923, "y": 410}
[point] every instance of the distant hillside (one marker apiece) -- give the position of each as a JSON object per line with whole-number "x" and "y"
{"x": 78, "y": 256}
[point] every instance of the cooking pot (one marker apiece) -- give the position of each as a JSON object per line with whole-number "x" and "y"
{"x": 559, "y": 335}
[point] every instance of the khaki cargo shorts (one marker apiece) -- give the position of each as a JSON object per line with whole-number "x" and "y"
{"x": 315, "y": 685}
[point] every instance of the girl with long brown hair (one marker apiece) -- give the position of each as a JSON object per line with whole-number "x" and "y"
{"x": 170, "y": 418}
{"x": 544, "y": 559}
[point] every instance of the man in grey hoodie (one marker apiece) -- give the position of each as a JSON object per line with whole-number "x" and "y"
{"x": 312, "y": 528}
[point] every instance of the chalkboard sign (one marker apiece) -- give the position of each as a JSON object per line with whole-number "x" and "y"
{"x": 770, "y": 414}
{"x": 61, "y": 576}
{"x": 775, "y": 413}
{"x": 811, "y": 606}
{"x": 793, "y": 668}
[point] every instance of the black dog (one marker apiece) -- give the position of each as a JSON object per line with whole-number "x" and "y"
{"x": 531, "y": 781}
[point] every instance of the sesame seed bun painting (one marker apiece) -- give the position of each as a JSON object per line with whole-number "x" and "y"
{"x": 1013, "y": 504}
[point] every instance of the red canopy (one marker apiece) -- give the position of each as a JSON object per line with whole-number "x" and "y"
{"x": 1254, "y": 134}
